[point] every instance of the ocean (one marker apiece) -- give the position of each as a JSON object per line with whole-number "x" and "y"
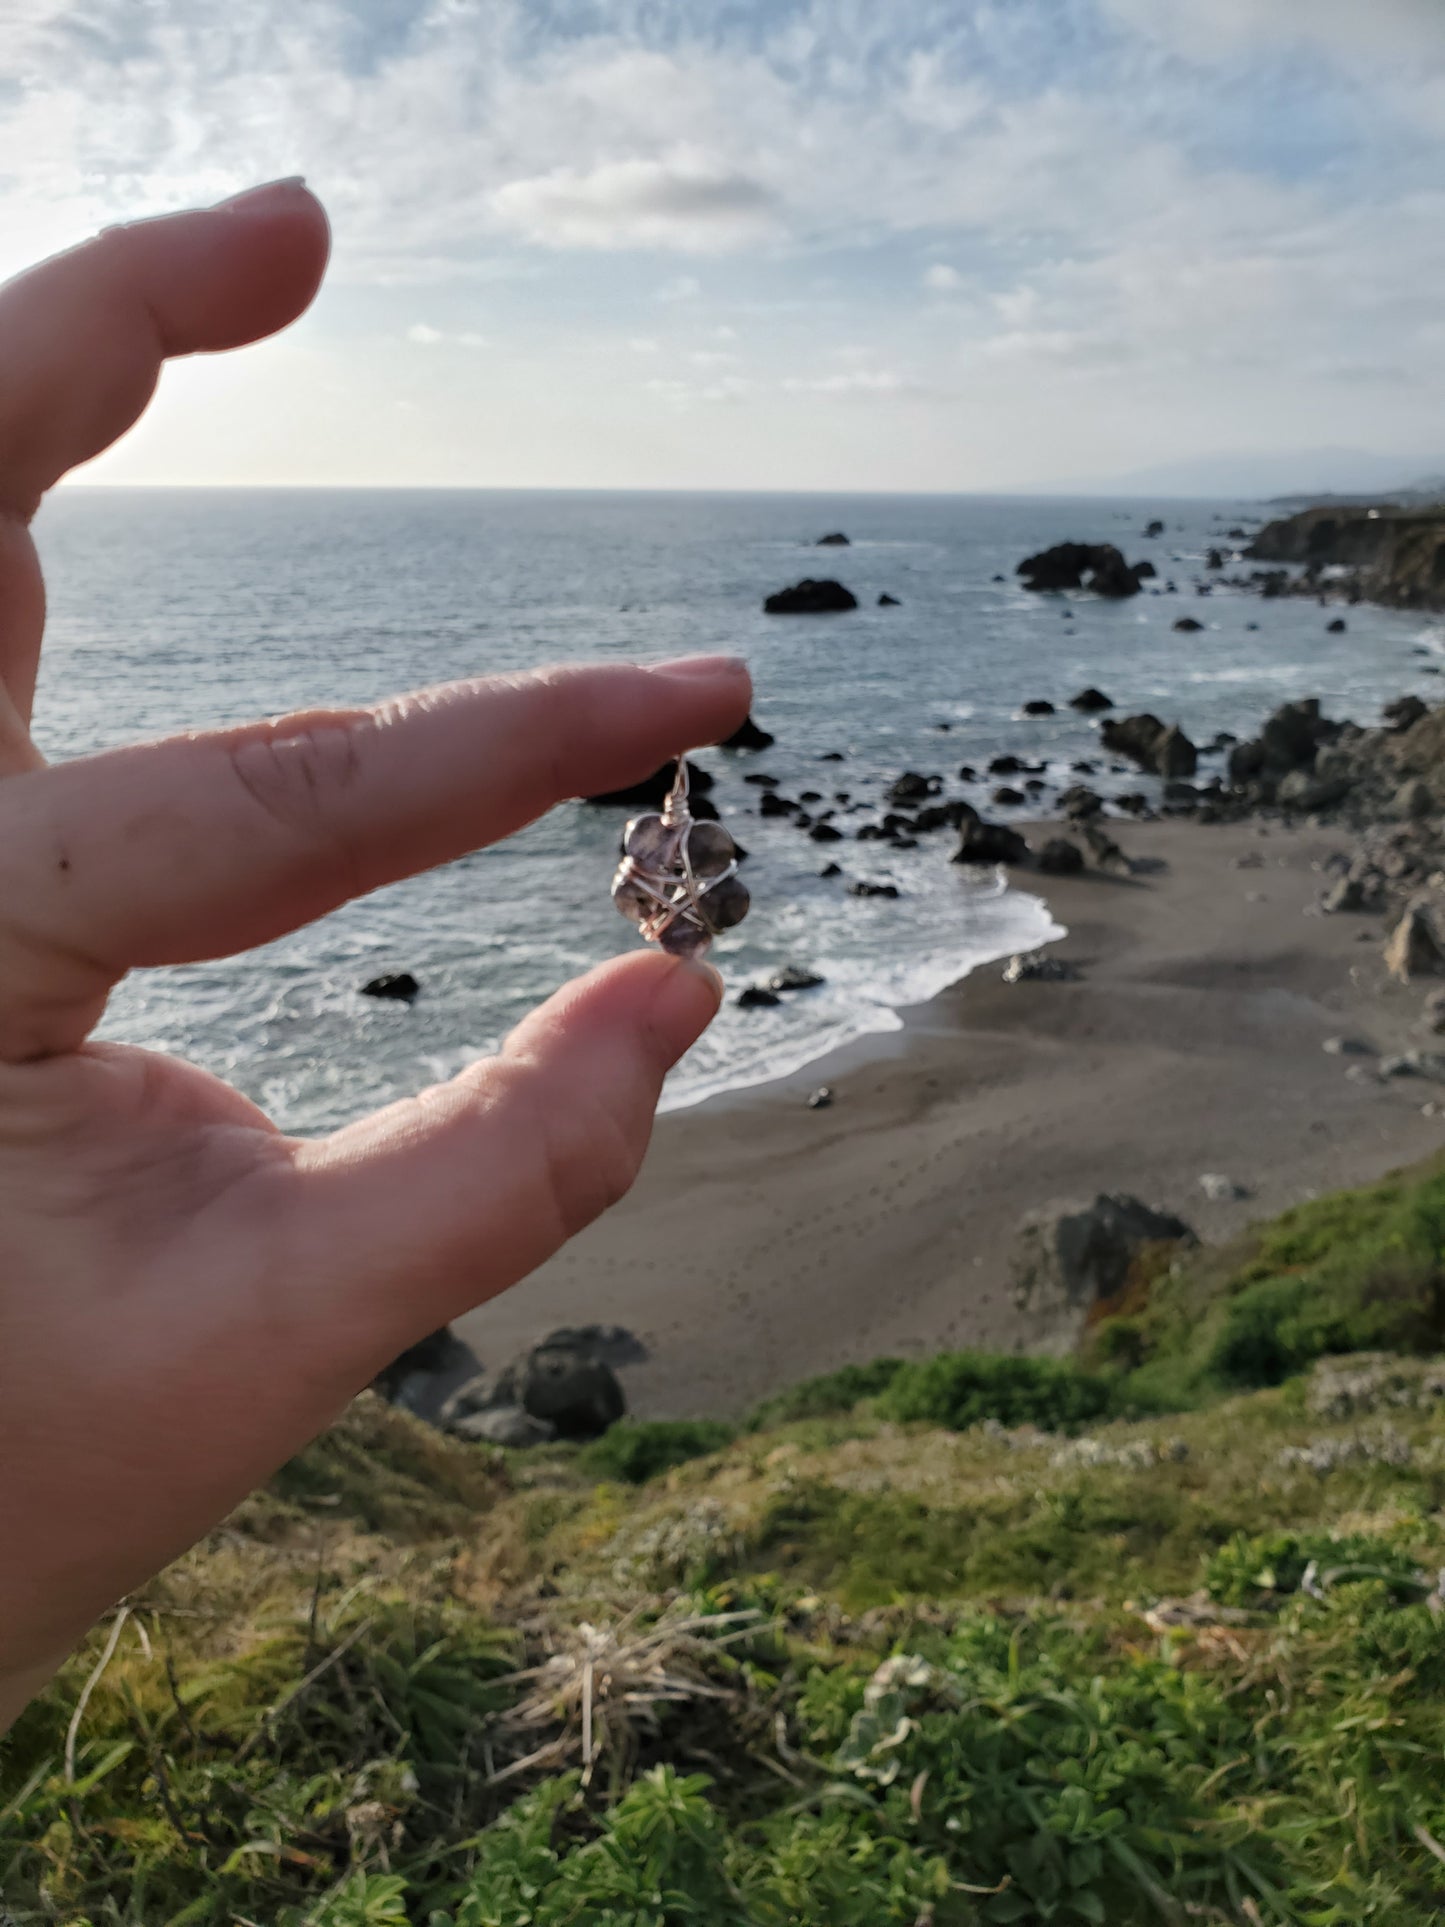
{"x": 177, "y": 609}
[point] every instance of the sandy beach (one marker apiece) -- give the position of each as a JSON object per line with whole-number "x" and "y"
{"x": 766, "y": 1241}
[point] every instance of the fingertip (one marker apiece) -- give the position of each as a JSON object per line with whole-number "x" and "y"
{"x": 684, "y": 1004}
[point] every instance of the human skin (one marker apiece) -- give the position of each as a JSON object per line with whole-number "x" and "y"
{"x": 186, "y": 1294}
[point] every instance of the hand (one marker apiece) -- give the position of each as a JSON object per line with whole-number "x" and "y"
{"x": 187, "y": 1296}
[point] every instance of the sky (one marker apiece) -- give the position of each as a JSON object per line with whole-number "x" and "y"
{"x": 803, "y": 244}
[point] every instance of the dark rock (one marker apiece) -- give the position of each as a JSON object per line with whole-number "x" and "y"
{"x": 831, "y": 870}
{"x": 910, "y": 787}
{"x": 1076, "y": 565}
{"x": 1154, "y": 529}
{"x": 762, "y": 782}
{"x": 1134, "y": 803}
{"x": 755, "y": 997}
{"x": 1074, "y": 1257}
{"x": 1000, "y": 578}
{"x": 1214, "y": 559}
{"x": 1187, "y": 626}
{"x": 652, "y": 790}
{"x": 398, "y": 985}
{"x": 1404, "y": 713}
{"x": 1060, "y": 858}
{"x": 861, "y": 888}
{"x": 613, "y": 1344}
{"x": 1251, "y": 626}
{"x": 1079, "y": 802}
{"x": 771, "y": 804}
{"x": 825, "y": 833}
{"x": 1102, "y": 847}
{"x": 1145, "y": 571}
{"x": 1163, "y": 749}
{"x": 832, "y": 756}
{"x": 967, "y": 773}
{"x": 810, "y": 598}
{"x": 837, "y": 540}
{"x": 1337, "y": 627}
{"x": 1091, "y": 701}
{"x": 440, "y": 1355}
{"x": 990, "y": 843}
{"x": 810, "y": 796}
{"x": 886, "y": 601}
{"x": 1005, "y": 766}
{"x": 747, "y": 735}
{"x": 794, "y": 977}
{"x": 1008, "y": 798}
{"x": 566, "y": 1387}
{"x": 511, "y": 1426}
{"x": 1038, "y": 708}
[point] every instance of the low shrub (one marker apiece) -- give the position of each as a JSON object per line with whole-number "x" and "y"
{"x": 637, "y": 1451}
{"x": 959, "y": 1389}
{"x": 828, "y": 1396}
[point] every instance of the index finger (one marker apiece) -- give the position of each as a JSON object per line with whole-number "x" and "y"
{"x": 198, "y": 846}
{"x": 83, "y": 337}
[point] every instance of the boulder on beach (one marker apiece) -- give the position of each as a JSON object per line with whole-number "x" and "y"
{"x": 1072, "y": 1258}
{"x": 1008, "y": 797}
{"x": 1161, "y": 748}
{"x": 566, "y": 1386}
{"x": 1060, "y": 858}
{"x": 1090, "y": 701}
{"x": 989, "y": 843}
{"x": 1413, "y": 949}
{"x": 810, "y": 598}
{"x": 420, "y": 1378}
{"x": 397, "y": 986}
{"x": 837, "y": 540}
{"x": 747, "y": 735}
{"x": 1098, "y": 566}
{"x": 651, "y": 792}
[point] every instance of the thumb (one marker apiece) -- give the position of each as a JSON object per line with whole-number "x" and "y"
{"x": 438, "y": 1203}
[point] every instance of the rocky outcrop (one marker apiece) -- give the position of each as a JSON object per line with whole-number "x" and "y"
{"x": 651, "y": 792}
{"x": 810, "y": 598}
{"x": 1161, "y": 748}
{"x": 1073, "y": 1257}
{"x": 1080, "y": 565}
{"x": 1413, "y": 949}
{"x": 747, "y": 735}
{"x": 837, "y": 540}
{"x": 567, "y": 1386}
{"x": 1091, "y": 701}
{"x": 1396, "y": 555}
{"x": 1060, "y": 858}
{"x": 990, "y": 843}
{"x": 398, "y": 986}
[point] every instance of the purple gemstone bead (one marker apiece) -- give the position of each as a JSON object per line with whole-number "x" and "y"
{"x": 652, "y": 843}
{"x": 709, "y": 849}
{"x": 684, "y": 938}
{"x": 726, "y": 903}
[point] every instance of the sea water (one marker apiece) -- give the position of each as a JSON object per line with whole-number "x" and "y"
{"x": 183, "y": 609}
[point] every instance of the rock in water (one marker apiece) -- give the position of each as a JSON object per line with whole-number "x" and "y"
{"x": 654, "y": 789}
{"x": 1161, "y": 748}
{"x": 1337, "y": 627}
{"x": 1413, "y": 949}
{"x": 810, "y": 598}
{"x": 1077, "y": 565}
{"x": 747, "y": 735}
{"x": 1038, "y": 707}
{"x": 1154, "y": 529}
{"x": 1187, "y": 626}
{"x": 398, "y": 985}
{"x": 1090, "y": 701}
{"x": 794, "y": 977}
{"x": 837, "y": 540}
{"x": 755, "y": 997}
{"x": 886, "y": 601}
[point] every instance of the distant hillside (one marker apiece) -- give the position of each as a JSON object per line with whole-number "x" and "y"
{"x": 1396, "y": 551}
{"x": 1291, "y": 475}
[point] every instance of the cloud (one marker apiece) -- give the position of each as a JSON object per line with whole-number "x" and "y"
{"x": 712, "y": 358}
{"x": 857, "y": 381}
{"x": 425, "y": 336}
{"x": 689, "y": 202}
{"x": 941, "y": 278}
{"x": 1378, "y": 30}
{"x": 644, "y": 345}
{"x": 683, "y": 287}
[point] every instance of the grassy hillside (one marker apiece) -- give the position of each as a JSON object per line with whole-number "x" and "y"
{"x": 965, "y": 1641}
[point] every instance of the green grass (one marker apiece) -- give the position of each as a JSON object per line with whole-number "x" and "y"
{"x": 865, "y": 1660}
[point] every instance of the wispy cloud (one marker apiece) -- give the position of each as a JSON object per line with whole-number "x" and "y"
{"x": 423, "y": 335}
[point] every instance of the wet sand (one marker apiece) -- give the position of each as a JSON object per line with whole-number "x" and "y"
{"x": 766, "y": 1242}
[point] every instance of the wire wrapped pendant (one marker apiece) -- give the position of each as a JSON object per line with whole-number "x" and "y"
{"x": 678, "y": 879}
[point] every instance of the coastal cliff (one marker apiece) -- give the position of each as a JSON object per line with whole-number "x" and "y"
{"x": 1397, "y": 554}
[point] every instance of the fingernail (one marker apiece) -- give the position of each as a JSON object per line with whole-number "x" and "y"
{"x": 699, "y": 668}
{"x": 288, "y": 184}
{"x": 685, "y": 1004}
{"x": 710, "y": 975}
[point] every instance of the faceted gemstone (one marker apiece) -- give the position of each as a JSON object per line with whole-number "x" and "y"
{"x": 710, "y": 849}
{"x": 726, "y": 903}
{"x": 652, "y": 843}
{"x": 631, "y": 899}
{"x": 684, "y": 938}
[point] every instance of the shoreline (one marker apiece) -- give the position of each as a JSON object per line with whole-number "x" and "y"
{"x": 766, "y": 1242}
